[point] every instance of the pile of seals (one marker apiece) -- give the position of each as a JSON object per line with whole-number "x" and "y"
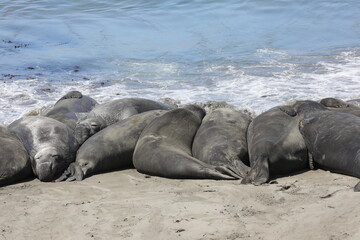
{"x": 78, "y": 137}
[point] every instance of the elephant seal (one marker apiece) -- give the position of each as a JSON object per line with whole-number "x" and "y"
{"x": 110, "y": 149}
{"x": 164, "y": 147}
{"x": 68, "y": 108}
{"x": 221, "y": 140}
{"x": 332, "y": 137}
{"x": 50, "y": 144}
{"x": 14, "y": 159}
{"x": 340, "y": 105}
{"x": 105, "y": 114}
{"x": 275, "y": 146}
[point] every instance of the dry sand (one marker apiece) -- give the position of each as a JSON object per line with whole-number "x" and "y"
{"x": 130, "y": 205}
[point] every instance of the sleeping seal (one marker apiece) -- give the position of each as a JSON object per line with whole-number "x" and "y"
{"x": 275, "y": 146}
{"x": 106, "y": 114}
{"x": 164, "y": 147}
{"x": 110, "y": 149}
{"x": 50, "y": 144}
{"x": 221, "y": 140}
{"x": 332, "y": 137}
{"x": 14, "y": 159}
{"x": 67, "y": 108}
{"x": 342, "y": 106}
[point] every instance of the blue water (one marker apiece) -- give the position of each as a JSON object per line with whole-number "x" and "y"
{"x": 253, "y": 54}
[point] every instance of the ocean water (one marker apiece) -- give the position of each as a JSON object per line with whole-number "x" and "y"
{"x": 253, "y": 54}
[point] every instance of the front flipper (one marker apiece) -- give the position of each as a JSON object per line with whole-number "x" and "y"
{"x": 357, "y": 187}
{"x": 259, "y": 173}
{"x": 74, "y": 172}
{"x": 311, "y": 161}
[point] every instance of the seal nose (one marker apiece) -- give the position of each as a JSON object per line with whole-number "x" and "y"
{"x": 44, "y": 171}
{"x": 81, "y": 134}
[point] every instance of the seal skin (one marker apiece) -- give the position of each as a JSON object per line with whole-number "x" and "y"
{"x": 342, "y": 106}
{"x": 50, "y": 144}
{"x": 67, "y": 108}
{"x": 164, "y": 147}
{"x": 105, "y": 114}
{"x": 275, "y": 146}
{"x": 110, "y": 149}
{"x": 14, "y": 159}
{"x": 332, "y": 137}
{"x": 221, "y": 140}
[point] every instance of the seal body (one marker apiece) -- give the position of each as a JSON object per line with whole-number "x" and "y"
{"x": 164, "y": 147}
{"x": 110, "y": 149}
{"x": 14, "y": 159}
{"x": 221, "y": 140}
{"x": 50, "y": 144}
{"x": 105, "y": 114}
{"x": 67, "y": 108}
{"x": 275, "y": 146}
{"x": 332, "y": 138}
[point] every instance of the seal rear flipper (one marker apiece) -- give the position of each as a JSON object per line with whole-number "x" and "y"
{"x": 228, "y": 170}
{"x": 259, "y": 173}
{"x": 71, "y": 94}
{"x": 357, "y": 187}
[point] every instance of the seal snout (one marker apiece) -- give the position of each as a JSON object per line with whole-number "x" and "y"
{"x": 82, "y": 133}
{"x": 47, "y": 162}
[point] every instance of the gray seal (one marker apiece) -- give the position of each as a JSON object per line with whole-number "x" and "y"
{"x": 276, "y": 146}
{"x": 50, "y": 144}
{"x": 69, "y": 107}
{"x": 14, "y": 159}
{"x": 164, "y": 147}
{"x": 221, "y": 140}
{"x": 105, "y": 114}
{"x": 110, "y": 149}
{"x": 342, "y": 106}
{"x": 332, "y": 137}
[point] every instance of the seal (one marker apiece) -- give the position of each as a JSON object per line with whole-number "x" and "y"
{"x": 110, "y": 149}
{"x": 105, "y": 114}
{"x": 221, "y": 140}
{"x": 69, "y": 107}
{"x": 164, "y": 147}
{"x": 342, "y": 106}
{"x": 14, "y": 159}
{"x": 50, "y": 144}
{"x": 276, "y": 146}
{"x": 332, "y": 137}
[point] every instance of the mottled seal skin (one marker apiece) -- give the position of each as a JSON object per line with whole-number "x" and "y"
{"x": 14, "y": 159}
{"x": 164, "y": 147}
{"x": 50, "y": 144}
{"x": 67, "y": 108}
{"x": 104, "y": 115}
{"x": 275, "y": 146}
{"x": 332, "y": 137}
{"x": 221, "y": 140}
{"x": 342, "y": 106}
{"x": 110, "y": 149}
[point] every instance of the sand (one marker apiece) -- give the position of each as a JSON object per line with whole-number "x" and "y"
{"x": 129, "y": 205}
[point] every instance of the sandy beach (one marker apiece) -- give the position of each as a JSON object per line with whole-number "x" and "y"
{"x": 129, "y": 205}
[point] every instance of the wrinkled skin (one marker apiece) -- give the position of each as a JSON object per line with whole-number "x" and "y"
{"x": 332, "y": 137}
{"x": 104, "y": 115}
{"x": 50, "y": 144}
{"x": 275, "y": 146}
{"x": 14, "y": 159}
{"x": 221, "y": 140}
{"x": 164, "y": 147}
{"x": 110, "y": 149}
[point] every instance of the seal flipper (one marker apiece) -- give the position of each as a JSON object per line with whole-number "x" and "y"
{"x": 259, "y": 173}
{"x": 334, "y": 103}
{"x": 357, "y": 187}
{"x": 74, "y": 172}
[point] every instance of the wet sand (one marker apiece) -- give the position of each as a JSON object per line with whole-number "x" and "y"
{"x": 130, "y": 205}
